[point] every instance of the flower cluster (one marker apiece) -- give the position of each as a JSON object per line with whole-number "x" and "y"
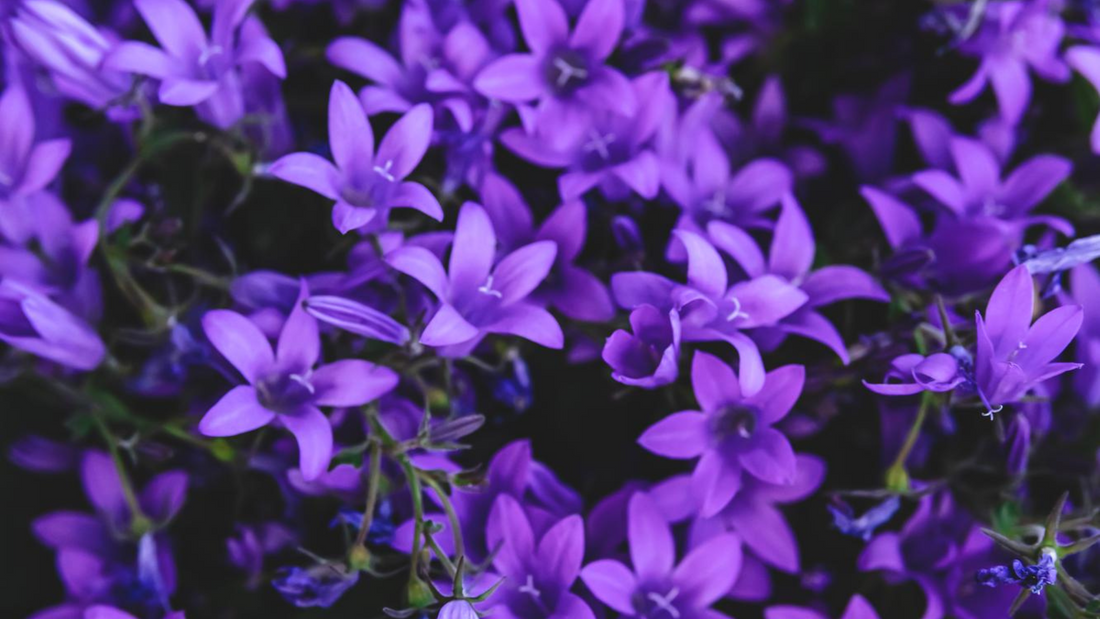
{"x": 794, "y": 300}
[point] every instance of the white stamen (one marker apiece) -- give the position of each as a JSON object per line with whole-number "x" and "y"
{"x": 665, "y": 602}
{"x": 209, "y": 52}
{"x": 993, "y": 411}
{"x": 384, "y": 171}
{"x": 488, "y": 288}
{"x": 599, "y": 143}
{"x": 303, "y": 381}
{"x": 529, "y": 588}
{"x": 736, "y": 313}
{"x": 567, "y": 72}
{"x": 717, "y": 203}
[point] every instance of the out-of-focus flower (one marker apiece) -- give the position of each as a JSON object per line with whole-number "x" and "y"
{"x": 1034, "y": 577}
{"x": 30, "y": 321}
{"x": 320, "y": 585}
{"x": 863, "y": 526}
{"x": 365, "y": 183}
{"x": 193, "y": 69}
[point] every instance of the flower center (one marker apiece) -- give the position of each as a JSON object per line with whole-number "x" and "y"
{"x": 384, "y": 171}
{"x": 529, "y": 588}
{"x": 738, "y": 420}
{"x": 284, "y": 392}
{"x": 567, "y": 71}
{"x": 487, "y": 288}
{"x": 659, "y": 606}
{"x": 736, "y": 311}
{"x": 599, "y": 143}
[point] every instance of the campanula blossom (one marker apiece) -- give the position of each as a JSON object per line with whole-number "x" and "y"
{"x": 1013, "y": 37}
{"x": 365, "y": 183}
{"x": 650, "y": 356}
{"x": 732, "y": 433}
{"x": 858, "y": 608}
{"x": 1013, "y": 354}
{"x": 657, "y": 584}
{"x": 284, "y": 385}
{"x": 194, "y": 69}
{"x": 477, "y": 298}
{"x": 31, "y": 321}
{"x": 566, "y": 70}
{"x": 320, "y": 585}
{"x": 538, "y": 571}
{"x": 1085, "y": 291}
{"x": 710, "y": 308}
{"x": 864, "y": 525}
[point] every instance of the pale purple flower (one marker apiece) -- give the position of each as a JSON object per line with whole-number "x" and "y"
{"x": 365, "y": 183}
{"x": 650, "y": 356}
{"x": 732, "y": 433}
{"x": 30, "y": 321}
{"x": 657, "y": 585}
{"x": 477, "y": 298}
{"x": 283, "y": 384}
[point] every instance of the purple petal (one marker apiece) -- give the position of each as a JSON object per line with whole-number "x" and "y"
{"x": 43, "y": 164}
{"x": 771, "y": 457}
{"x": 543, "y": 23}
{"x": 1008, "y": 314}
{"x": 346, "y": 217}
{"x": 781, "y": 390}
{"x": 1048, "y": 337}
{"x": 406, "y": 142}
{"x": 899, "y": 223}
{"x": 143, "y": 59}
{"x": 561, "y": 551}
{"x": 447, "y": 328}
{"x": 163, "y": 496}
{"x": 265, "y": 52}
{"x": 738, "y": 245}
{"x": 238, "y": 411}
{"x": 714, "y": 482}
{"x": 458, "y": 609}
{"x": 1012, "y": 87}
{"x": 59, "y": 530}
{"x": 310, "y": 171}
{"x": 837, "y": 282}
{"x": 349, "y": 133}
{"x": 612, "y": 583}
{"x": 632, "y": 289}
{"x": 300, "y": 340}
{"x": 680, "y": 435}
{"x": 473, "y": 249}
{"x": 357, "y": 318}
{"x": 978, "y": 169}
{"x": 759, "y": 185}
{"x": 766, "y": 532}
{"x": 514, "y": 78}
{"x": 529, "y": 322}
{"x": 882, "y": 553}
{"x": 1032, "y": 181}
{"x": 521, "y": 271}
{"x": 311, "y": 429}
{"x": 808, "y": 323}
{"x": 582, "y": 296}
{"x": 766, "y": 300}
{"x": 185, "y": 92}
{"x": 364, "y": 58}
{"x": 103, "y": 486}
{"x": 351, "y": 382}
{"x": 422, "y": 265}
{"x": 417, "y": 196}
{"x": 940, "y": 185}
{"x": 598, "y": 28}
{"x": 859, "y": 608}
{"x": 509, "y": 529}
{"x": 792, "y": 250}
{"x": 651, "y": 547}
{"x": 507, "y": 210}
{"x": 706, "y": 271}
{"x": 608, "y": 89}
{"x": 713, "y": 381}
{"x": 641, "y": 173}
{"x": 175, "y": 26}
{"x": 706, "y": 574}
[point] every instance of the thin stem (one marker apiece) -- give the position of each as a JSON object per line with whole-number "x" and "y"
{"x": 139, "y": 523}
{"x": 945, "y": 323}
{"x": 418, "y": 511}
{"x": 434, "y": 545}
{"x": 452, "y": 516}
{"x": 914, "y": 433}
{"x": 372, "y": 492}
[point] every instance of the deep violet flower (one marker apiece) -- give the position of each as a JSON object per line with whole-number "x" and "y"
{"x": 30, "y": 321}
{"x": 109, "y": 612}
{"x": 864, "y": 525}
{"x": 193, "y": 69}
{"x": 477, "y": 298}
{"x": 1034, "y": 577}
{"x": 650, "y": 356}
{"x": 538, "y": 571}
{"x": 365, "y": 183}
{"x": 565, "y": 70}
{"x": 284, "y": 385}
{"x": 858, "y": 608}
{"x": 1013, "y": 355}
{"x": 732, "y": 433}
{"x": 657, "y": 584}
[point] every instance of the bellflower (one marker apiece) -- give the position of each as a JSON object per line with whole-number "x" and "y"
{"x": 733, "y": 433}
{"x": 109, "y": 612}
{"x": 477, "y": 298}
{"x": 365, "y": 183}
{"x": 25, "y": 167}
{"x": 30, "y": 321}
{"x": 72, "y": 50}
{"x": 657, "y": 585}
{"x": 858, "y": 608}
{"x": 193, "y": 69}
{"x": 539, "y": 571}
{"x": 790, "y": 257}
{"x": 1013, "y": 37}
{"x": 1034, "y": 577}
{"x": 863, "y": 526}
{"x": 1085, "y": 291}
{"x": 565, "y": 70}
{"x": 435, "y": 67}
{"x": 711, "y": 309}
{"x": 284, "y": 385}
{"x": 569, "y": 288}
{"x": 1013, "y": 355}
{"x": 649, "y": 357}
{"x": 612, "y": 152}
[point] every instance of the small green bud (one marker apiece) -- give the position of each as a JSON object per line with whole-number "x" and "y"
{"x": 359, "y": 559}
{"x": 420, "y": 596}
{"x": 897, "y": 479}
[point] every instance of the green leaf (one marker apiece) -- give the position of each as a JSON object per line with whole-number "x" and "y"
{"x": 1006, "y": 518}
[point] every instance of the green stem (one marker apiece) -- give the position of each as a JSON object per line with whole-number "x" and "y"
{"x": 139, "y": 523}
{"x": 372, "y": 492}
{"x": 418, "y": 511}
{"x": 898, "y": 467}
{"x": 452, "y": 516}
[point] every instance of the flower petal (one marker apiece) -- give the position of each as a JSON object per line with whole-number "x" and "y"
{"x": 351, "y": 382}
{"x": 313, "y": 432}
{"x": 238, "y": 411}
{"x": 680, "y": 435}
{"x": 240, "y": 341}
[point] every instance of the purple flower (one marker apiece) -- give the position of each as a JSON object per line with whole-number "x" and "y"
{"x": 1085, "y": 59}
{"x": 320, "y": 585}
{"x": 790, "y": 258}
{"x": 540, "y": 571}
{"x": 25, "y": 167}
{"x": 364, "y": 183}
{"x": 733, "y": 433}
{"x": 72, "y": 50}
{"x": 1013, "y": 355}
{"x": 476, "y": 297}
{"x": 565, "y": 70}
{"x": 195, "y": 70}
{"x": 1035, "y": 577}
{"x": 863, "y": 527}
{"x": 1085, "y": 291}
{"x": 110, "y": 612}
{"x": 657, "y": 585}
{"x": 284, "y": 385}
{"x": 458, "y": 609}
{"x": 711, "y": 309}
{"x": 30, "y": 321}
{"x": 858, "y": 608}
{"x": 1014, "y": 36}
{"x": 649, "y": 357}
{"x": 570, "y": 289}
{"x": 612, "y": 152}
{"x": 356, "y": 317}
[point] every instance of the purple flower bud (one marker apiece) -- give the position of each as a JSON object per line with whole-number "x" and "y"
{"x": 357, "y": 318}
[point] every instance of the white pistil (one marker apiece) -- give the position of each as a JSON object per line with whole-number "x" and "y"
{"x": 303, "y": 381}
{"x": 665, "y": 602}
{"x": 384, "y": 171}
{"x": 567, "y": 72}
{"x": 736, "y": 313}
{"x": 208, "y": 53}
{"x": 599, "y": 144}
{"x": 488, "y": 288}
{"x": 530, "y": 589}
